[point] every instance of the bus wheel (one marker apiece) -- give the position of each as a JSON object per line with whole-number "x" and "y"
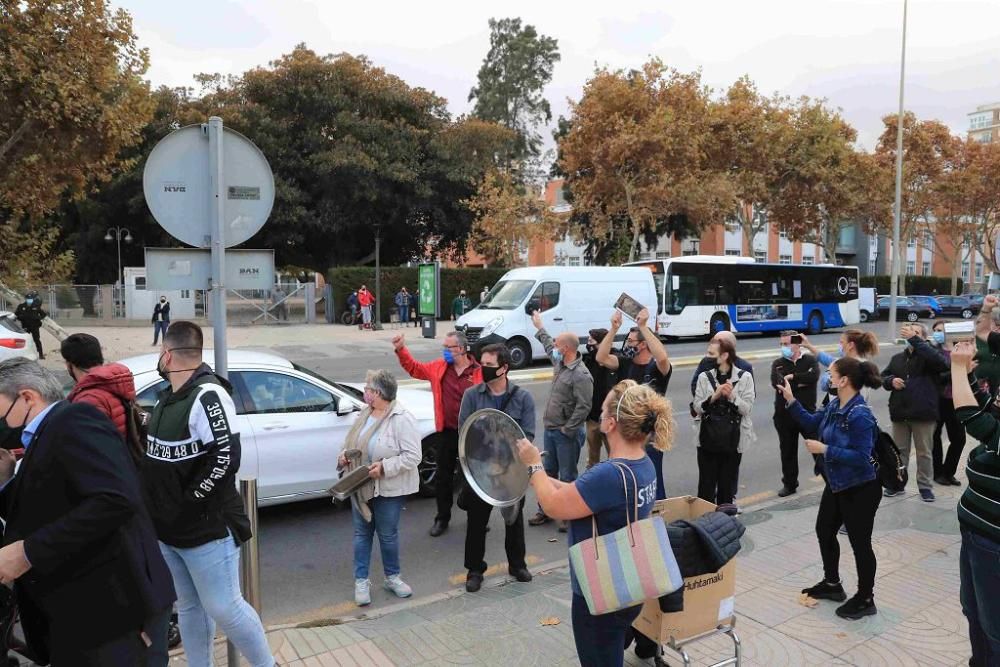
{"x": 718, "y": 323}
{"x": 815, "y": 324}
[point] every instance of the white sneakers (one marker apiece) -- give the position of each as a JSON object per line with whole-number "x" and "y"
{"x": 362, "y": 592}
{"x": 397, "y": 586}
{"x": 363, "y": 589}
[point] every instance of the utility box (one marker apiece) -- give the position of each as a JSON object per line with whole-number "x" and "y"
{"x": 428, "y": 327}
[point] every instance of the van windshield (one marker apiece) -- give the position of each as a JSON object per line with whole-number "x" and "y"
{"x": 507, "y": 295}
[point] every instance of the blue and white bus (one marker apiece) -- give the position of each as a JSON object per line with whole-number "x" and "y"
{"x": 703, "y": 294}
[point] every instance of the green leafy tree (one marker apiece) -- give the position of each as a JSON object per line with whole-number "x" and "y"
{"x": 513, "y": 75}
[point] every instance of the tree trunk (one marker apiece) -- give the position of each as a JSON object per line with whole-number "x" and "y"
{"x": 635, "y": 242}
{"x": 14, "y": 138}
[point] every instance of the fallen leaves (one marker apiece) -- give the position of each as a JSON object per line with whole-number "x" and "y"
{"x": 550, "y": 620}
{"x": 807, "y": 601}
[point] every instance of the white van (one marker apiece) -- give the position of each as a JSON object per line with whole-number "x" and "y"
{"x": 866, "y": 303}
{"x": 575, "y": 299}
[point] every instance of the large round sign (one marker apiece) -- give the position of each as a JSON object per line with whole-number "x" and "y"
{"x": 487, "y": 450}
{"x": 177, "y": 186}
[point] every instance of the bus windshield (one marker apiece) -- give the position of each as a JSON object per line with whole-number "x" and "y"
{"x": 507, "y": 295}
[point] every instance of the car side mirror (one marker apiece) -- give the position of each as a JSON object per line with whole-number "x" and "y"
{"x": 345, "y": 407}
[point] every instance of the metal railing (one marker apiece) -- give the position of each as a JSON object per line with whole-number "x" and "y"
{"x": 249, "y": 561}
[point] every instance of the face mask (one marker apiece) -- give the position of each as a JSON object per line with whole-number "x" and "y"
{"x": 10, "y": 436}
{"x": 786, "y": 352}
{"x": 840, "y": 350}
{"x": 162, "y": 370}
{"x": 163, "y": 300}
{"x": 591, "y": 349}
{"x": 713, "y": 362}
{"x": 556, "y": 354}
{"x": 629, "y": 352}
{"x": 939, "y": 337}
{"x": 448, "y": 356}
{"x": 908, "y": 346}
{"x": 490, "y": 373}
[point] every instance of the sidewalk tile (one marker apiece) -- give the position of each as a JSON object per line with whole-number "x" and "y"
{"x": 344, "y": 658}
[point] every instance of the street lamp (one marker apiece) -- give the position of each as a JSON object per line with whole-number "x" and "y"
{"x": 119, "y": 234}
{"x": 897, "y": 212}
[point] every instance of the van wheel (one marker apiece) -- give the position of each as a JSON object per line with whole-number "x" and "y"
{"x": 912, "y": 316}
{"x": 719, "y": 322}
{"x": 815, "y": 324}
{"x": 520, "y": 353}
{"x": 427, "y": 469}
{"x": 966, "y": 314}
{"x": 865, "y": 316}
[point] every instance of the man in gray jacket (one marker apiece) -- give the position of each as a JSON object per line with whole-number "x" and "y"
{"x": 566, "y": 412}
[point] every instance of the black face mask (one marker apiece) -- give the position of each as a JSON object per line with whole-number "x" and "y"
{"x": 490, "y": 373}
{"x": 10, "y": 436}
{"x": 163, "y": 372}
{"x": 591, "y": 349}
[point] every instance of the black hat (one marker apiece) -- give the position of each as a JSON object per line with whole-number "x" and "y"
{"x": 82, "y": 350}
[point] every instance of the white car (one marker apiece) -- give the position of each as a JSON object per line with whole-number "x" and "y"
{"x": 292, "y": 422}
{"x": 15, "y": 342}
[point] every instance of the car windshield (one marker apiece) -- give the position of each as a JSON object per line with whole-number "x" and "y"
{"x": 350, "y": 391}
{"x": 507, "y": 295}
{"x": 7, "y": 321}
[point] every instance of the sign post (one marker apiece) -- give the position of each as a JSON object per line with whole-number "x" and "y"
{"x": 429, "y": 285}
{"x": 216, "y": 164}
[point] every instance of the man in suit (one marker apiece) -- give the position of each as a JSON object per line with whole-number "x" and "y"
{"x": 78, "y": 544}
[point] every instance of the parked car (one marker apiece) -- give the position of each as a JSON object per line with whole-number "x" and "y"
{"x": 15, "y": 342}
{"x": 958, "y": 306}
{"x": 929, "y": 301}
{"x": 906, "y": 309}
{"x": 292, "y": 422}
{"x": 975, "y": 299}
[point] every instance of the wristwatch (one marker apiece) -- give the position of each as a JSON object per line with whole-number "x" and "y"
{"x": 532, "y": 469}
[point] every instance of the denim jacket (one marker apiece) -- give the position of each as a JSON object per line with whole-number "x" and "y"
{"x": 849, "y": 434}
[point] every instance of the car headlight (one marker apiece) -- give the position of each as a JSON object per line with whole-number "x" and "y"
{"x": 491, "y": 326}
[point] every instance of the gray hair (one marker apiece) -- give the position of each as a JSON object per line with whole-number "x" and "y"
{"x": 383, "y": 383}
{"x": 16, "y": 375}
{"x": 463, "y": 341}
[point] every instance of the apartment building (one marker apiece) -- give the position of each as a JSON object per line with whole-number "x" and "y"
{"x": 984, "y": 123}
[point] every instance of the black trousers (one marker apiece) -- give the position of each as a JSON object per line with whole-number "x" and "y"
{"x": 126, "y": 651}
{"x": 446, "y": 455}
{"x": 855, "y": 509}
{"x": 788, "y": 443}
{"x": 946, "y": 465}
{"x": 36, "y": 336}
{"x": 475, "y": 535}
{"x": 717, "y": 473}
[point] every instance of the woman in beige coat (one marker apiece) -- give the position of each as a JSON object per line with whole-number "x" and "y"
{"x": 387, "y": 437}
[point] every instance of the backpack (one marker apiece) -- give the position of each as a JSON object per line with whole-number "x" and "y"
{"x": 888, "y": 462}
{"x": 720, "y": 423}
{"x": 135, "y": 430}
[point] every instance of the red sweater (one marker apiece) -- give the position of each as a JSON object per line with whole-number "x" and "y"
{"x": 434, "y": 371}
{"x": 105, "y": 387}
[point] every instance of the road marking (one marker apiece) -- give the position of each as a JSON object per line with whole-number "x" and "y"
{"x": 457, "y": 579}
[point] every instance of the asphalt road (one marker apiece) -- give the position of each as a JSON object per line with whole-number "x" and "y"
{"x": 306, "y": 548}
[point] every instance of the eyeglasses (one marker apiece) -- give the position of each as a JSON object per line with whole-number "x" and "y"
{"x": 451, "y": 347}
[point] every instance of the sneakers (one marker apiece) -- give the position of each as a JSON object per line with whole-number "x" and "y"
{"x": 927, "y": 495}
{"x": 539, "y": 519}
{"x": 842, "y": 531}
{"x": 362, "y": 592}
{"x": 399, "y": 587}
{"x": 785, "y": 492}
{"x": 892, "y": 494}
{"x": 826, "y": 591}
{"x": 857, "y": 608}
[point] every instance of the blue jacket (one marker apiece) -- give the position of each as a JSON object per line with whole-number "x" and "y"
{"x": 849, "y": 434}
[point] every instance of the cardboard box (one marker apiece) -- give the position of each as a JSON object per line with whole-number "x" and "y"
{"x": 709, "y": 600}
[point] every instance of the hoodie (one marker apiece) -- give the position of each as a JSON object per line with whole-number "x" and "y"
{"x": 106, "y": 388}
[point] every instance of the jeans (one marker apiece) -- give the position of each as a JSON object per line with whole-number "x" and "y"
{"x": 404, "y": 315}
{"x": 922, "y": 436}
{"x": 159, "y": 328}
{"x": 595, "y": 441}
{"x": 475, "y": 535}
{"x": 366, "y": 314}
{"x": 980, "y": 596}
{"x": 716, "y": 472}
{"x": 385, "y": 522}
{"x": 600, "y": 640}
{"x": 207, "y": 582}
{"x": 788, "y": 443}
{"x": 562, "y": 454}
{"x": 854, "y": 508}
{"x": 445, "y": 446}
{"x": 945, "y": 465}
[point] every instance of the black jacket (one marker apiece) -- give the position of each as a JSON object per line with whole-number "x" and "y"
{"x": 96, "y": 569}
{"x": 161, "y": 308}
{"x": 701, "y": 546}
{"x": 920, "y": 368}
{"x": 604, "y": 380}
{"x": 806, "y": 376}
{"x": 30, "y": 317}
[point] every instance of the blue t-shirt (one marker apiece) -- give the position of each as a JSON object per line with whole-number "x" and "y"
{"x": 601, "y": 488}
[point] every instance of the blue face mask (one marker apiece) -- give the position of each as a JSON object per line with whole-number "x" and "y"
{"x": 939, "y": 337}
{"x": 556, "y": 354}
{"x": 786, "y": 352}
{"x": 840, "y": 350}
{"x": 448, "y": 356}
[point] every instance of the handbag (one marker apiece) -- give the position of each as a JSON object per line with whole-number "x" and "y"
{"x": 628, "y": 566}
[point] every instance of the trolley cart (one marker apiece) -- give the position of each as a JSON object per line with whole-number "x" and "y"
{"x": 709, "y": 600}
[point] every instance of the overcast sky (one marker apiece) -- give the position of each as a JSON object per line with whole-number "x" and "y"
{"x": 844, "y": 50}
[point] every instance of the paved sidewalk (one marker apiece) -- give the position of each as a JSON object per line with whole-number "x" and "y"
{"x": 919, "y": 621}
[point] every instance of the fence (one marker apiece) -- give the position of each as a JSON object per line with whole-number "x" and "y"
{"x": 133, "y": 304}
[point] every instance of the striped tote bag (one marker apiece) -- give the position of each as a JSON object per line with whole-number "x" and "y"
{"x": 628, "y": 566}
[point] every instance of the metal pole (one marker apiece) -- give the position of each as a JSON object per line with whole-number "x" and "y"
{"x": 378, "y": 277}
{"x": 249, "y": 561}
{"x": 217, "y": 207}
{"x": 897, "y": 213}
{"x": 121, "y": 274}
